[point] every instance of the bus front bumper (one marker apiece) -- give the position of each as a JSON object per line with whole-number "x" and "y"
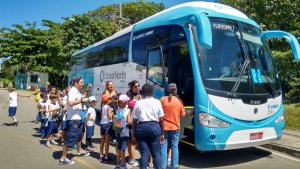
{"x": 251, "y": 137}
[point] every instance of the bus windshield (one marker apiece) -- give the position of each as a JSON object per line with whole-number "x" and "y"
{"x": 234, "y": 43}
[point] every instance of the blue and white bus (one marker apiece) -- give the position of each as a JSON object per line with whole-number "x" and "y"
{"x": 220, "y": 61}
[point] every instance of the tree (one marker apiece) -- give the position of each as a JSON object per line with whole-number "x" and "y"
{"x": 132, "y": 12}
{"x": 283, "y": 15}
{"x": 30, "y": 49}
{"x": 25, "y": 46}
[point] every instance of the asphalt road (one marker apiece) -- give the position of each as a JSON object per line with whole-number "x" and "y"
{"x": 21, "y": 147}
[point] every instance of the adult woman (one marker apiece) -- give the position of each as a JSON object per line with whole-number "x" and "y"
{"x": 173, "y": 110}
{"x": 134, "y": 94}
{"x": 134, "y": 91}
{"x": 110, "y": 90}
{"x": 74, "y": 124}
{"x": 148, "y": 127}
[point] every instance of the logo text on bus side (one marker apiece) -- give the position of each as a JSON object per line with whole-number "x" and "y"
{"x": 113, "y": 75}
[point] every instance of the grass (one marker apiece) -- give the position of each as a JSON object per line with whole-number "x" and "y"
{"x": 292, "y": 116}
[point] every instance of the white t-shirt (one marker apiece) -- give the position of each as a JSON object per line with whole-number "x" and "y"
{"x": 74, "y": 112}
{"x": 92, "y": 113}
{"x": 13, "y": 99}
{"x": 64, "y": 100}
{"x": 52, "y": 107}
{"x": 44, "y": 106}
{"x": 104, "y": 116}
{"x": 148, "y": 109}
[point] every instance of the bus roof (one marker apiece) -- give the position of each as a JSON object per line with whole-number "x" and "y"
{"x": 210, "y": 8}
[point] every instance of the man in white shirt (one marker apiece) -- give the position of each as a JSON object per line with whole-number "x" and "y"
{"x": 74, "y": 124}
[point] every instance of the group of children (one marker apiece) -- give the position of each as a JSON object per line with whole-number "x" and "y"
{"x": 52, "y": 117}
{"x": 50, "y": 113}
{"x": 122, "y": 121}
{"x": 50, "y": 110}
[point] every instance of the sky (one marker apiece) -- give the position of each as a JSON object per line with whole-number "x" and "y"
{"x": 19, "y": 11}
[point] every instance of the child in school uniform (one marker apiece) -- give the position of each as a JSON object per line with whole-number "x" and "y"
{"x": 105, "y": 127}
{"x": 42, "y": 108}
{"x": 12, "y": 109}
{"x": 52, "y": 128}
{"x": 123, "y": 118}
{"x": 90, "y": 123}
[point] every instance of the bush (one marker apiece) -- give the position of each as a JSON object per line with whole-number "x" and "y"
{"x": 5, "y": 82}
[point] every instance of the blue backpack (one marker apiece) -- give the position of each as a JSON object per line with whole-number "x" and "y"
{"x": 83, "y": 113}
{"x": 120, "y": 119}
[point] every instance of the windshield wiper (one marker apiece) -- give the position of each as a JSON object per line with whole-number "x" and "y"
{"x": 237, "y": 83}
{"x": 271, "y": 86}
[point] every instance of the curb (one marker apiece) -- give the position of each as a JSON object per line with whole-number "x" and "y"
{"x": 284, "y": 149}
{"x": 295, "y": 133}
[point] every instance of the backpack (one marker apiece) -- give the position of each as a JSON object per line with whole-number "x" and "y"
{"x": 83, "y": 113}
{"x": 120, "y": 119}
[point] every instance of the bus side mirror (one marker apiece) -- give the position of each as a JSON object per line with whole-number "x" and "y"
{"x": 281, "y": 34}
{"x": 203, "y": 29}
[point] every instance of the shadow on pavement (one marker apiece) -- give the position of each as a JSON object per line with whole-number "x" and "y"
{"x": 36, "y": 135}
{"x": 57, "y": 154}
{"x": 112, "y": 157}
{"x": 195, "y": 159}
{"x": 8, "y": 124}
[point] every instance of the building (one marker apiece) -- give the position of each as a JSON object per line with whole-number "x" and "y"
{"x": 30, "y": 80}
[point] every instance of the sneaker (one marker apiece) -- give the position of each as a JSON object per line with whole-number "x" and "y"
{"x": 89, "y": 148}
{"x": 118, "y": 166}
{"x": 101, "y": 157}
{"x": 16, "y": 123}
{"x": 169, "y": 163}
{"x": 48, "y": 144}
{"x": 53, "y": 142}
{"x": 113, "y": 142}
{"x": 83, "y": 154}
{"x": 150, "y": 165}
{"x": 65, "y": 161}
{"x": 134, "y": 163}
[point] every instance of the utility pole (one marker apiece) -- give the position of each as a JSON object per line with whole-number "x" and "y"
{"x": 120, "y": 17}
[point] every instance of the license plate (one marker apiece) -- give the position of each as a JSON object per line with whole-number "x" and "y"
{"x": 256, "y": 136}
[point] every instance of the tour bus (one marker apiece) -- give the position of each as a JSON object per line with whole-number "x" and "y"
{"x": 219, "y": 59}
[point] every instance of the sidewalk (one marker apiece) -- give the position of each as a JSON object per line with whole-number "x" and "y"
{"x": 289, "y": 143}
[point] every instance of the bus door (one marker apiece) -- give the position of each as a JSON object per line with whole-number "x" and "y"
{"x": 156, "y": 73}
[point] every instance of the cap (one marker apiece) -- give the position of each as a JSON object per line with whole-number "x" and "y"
{"x": 123, "y": 98}
{"x": 131, "y": 103}
{"x": 92, "y": 98}
{"x": 104, "y": 97}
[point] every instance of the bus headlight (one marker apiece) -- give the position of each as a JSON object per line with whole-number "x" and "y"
{"x": 280, "y": 118}
{"x": 211, "y": 121}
